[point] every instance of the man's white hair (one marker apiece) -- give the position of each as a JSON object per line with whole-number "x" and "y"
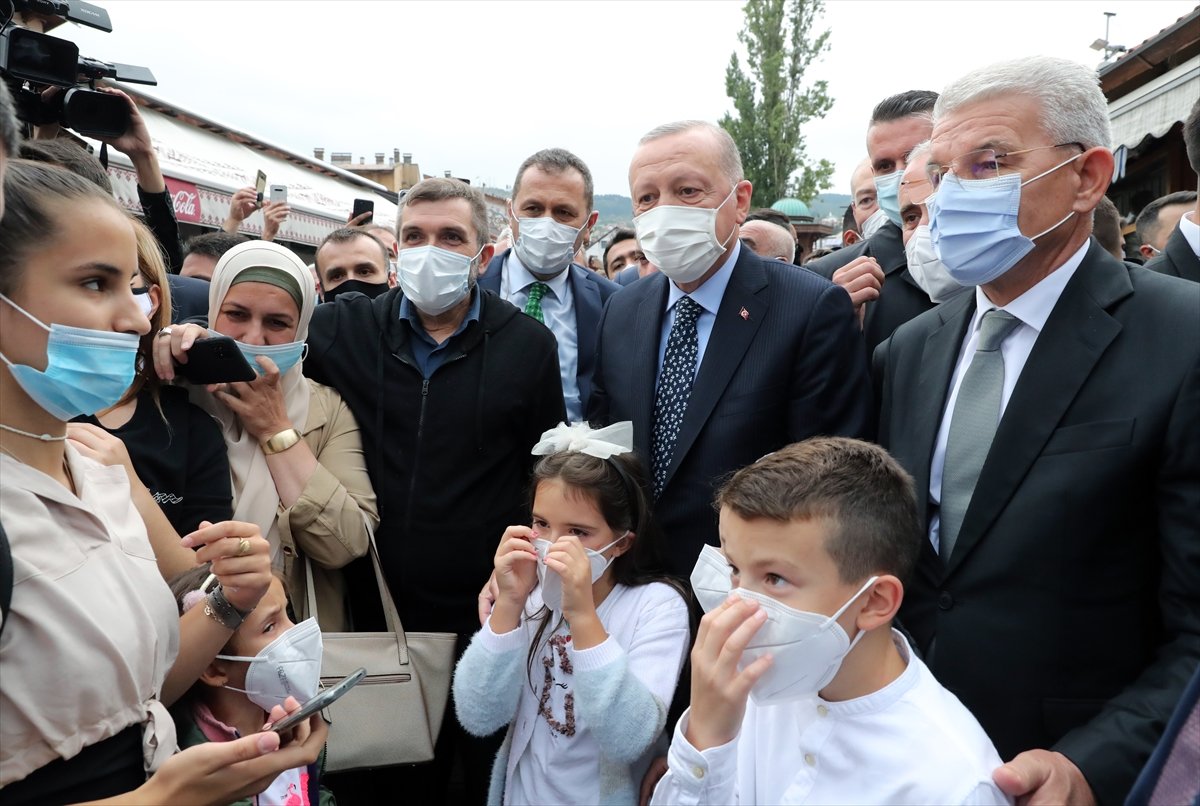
{"x": 919, "y": 150}
{"x": 1073, "y": 107}
{"x": 771, "y": 240}
{"x": 728, "y": 157}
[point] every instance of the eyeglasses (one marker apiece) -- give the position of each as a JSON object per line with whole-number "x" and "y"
{"x": 983, "y": 163}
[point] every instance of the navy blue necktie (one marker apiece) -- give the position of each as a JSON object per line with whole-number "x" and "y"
{"x": 674, "y": 387}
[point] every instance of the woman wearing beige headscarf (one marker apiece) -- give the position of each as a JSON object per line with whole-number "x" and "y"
{"x": 294, "y": 449}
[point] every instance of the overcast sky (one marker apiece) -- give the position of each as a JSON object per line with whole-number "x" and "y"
{"x": 475, "y": 87}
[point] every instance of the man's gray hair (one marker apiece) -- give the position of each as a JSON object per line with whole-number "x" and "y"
{"x": 439, "y": 189}
{"x": 1073, "y": 107}
{"x": 919, "y": 150}
{"x": 10, "y": 129}
{"x": 556, "y": 161}
{"x": 729, "y": 159}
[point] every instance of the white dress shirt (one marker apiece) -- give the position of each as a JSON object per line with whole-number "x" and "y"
{"x": 558, "y": 314}
{"x": 708, "y": 297}
{"x": 911, "y": 742}
{"x": 1032, "y": 308}
{"x": 1191, "y": 231}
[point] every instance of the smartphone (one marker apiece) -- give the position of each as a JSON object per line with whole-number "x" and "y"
{"x": 279, "y": 193}
{"x": 363, "y": 206}
{"x": 215, "y": 359}
{"x": 260, "y": 184}
{"x": 320, "y": 702}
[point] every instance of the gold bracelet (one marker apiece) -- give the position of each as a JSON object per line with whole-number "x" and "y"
{"x": 277, "y": 443}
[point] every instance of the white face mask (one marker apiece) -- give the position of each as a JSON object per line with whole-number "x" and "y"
{"x": 873, "y": 223}
{"x": 711, "y": 578}
{"x": 545, "y": 246}
{"x": 551, "y": 582}
{"x": 926, "y": 269}
{"x": 288, "y": 666}
{"x": 682, "y": 241}
{"x": 434, "y": 279}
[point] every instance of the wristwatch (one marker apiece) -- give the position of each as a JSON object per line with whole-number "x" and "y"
{"x": 277, "y": 443}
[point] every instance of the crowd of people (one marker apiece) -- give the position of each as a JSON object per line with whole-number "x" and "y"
{"x": 915, "y": 522}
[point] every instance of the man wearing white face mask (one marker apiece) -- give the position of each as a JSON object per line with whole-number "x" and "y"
{"x": 722, "y": 356}
{"x": 923, "y": 263}
{"x": 801, "y": 690}
{"x": 1049, "y": 418}
{"x": 551, "y": 215}
{"x": 451, "y": 387}
{"x": 874, "y": 271}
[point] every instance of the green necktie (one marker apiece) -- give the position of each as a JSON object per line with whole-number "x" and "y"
{"x": 533, "y": 306}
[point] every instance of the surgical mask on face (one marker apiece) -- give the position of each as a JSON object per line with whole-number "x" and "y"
{"x": 544, "y": 245}
{"x": 682, "y": 241}
{"x": 142, "y": 297}
{"x": 86, "y": 370}
{"x": 887, "y": 193}
{"x": 551, "y": 582}
{"x": 973, "y": 225}
{"x": 710, "y": 578}
{"x": 926, "y": 269}
{"x": 285, "y": 356}
{"x": 873, "y": 223}
{"x": 435, "y": 279}
{"x": 288, "y": 666}
{"x": 807, "y": 649}
{"x": 372, "y": 290}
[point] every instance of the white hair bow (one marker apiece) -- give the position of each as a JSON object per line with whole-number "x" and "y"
{"x": 602, "y": 443}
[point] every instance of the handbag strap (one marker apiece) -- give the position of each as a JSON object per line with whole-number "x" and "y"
{"x": 390, "y": 614}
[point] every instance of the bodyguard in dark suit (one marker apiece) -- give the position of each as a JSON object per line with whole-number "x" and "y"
{"x": 1051, "y": 421}
{"x": 884, "y": 284}
{"x": 722, "y": 356}
{"x": 551, "y": 215}
{"x": 1181, "y": 255}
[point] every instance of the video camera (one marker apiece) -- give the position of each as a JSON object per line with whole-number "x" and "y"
{"x": 32, "y": 62}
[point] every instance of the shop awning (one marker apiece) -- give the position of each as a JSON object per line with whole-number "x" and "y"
{"x": 1152, "y": 109}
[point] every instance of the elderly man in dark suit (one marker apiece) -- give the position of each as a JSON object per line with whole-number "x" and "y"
{"x": 1181, "y": 256}
{"x": 722, "y": 356}
{"x": 1051, "y": 421}
{"x": 551, "y": 215}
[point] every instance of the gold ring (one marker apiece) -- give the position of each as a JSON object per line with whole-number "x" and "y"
{"x": 243, "y": 548}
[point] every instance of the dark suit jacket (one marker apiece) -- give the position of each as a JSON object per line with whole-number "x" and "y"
{"x": 1068, "y": 616}
{"x": 1177, "y": 259}
{"x": 627, "y": 276}
{"x": 589, "y": 292}
{"x": 189, "y": 297}
{"x": 900, "y": 299}
{"x": 1152, "y": 773}
{"x": 784, "y": 363}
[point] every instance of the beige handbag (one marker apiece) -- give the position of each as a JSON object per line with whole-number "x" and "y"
{"x": 393, "y": 716}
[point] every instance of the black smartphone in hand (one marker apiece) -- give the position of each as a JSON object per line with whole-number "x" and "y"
{"x": 363, "y": 206}
{"x": 215, "y": 359}
{"x": 320, "y": 702}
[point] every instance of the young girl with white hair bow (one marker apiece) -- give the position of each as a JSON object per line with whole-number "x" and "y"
{"x": 583, "y": 649}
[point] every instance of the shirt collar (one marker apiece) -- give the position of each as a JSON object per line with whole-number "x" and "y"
{"x": 709, "y": 295}
{"x": 409, "y": 312}
{"x": 1190, "y": 230}
{"x": 1034, "y": 306}
{"x": 520, "y": 278}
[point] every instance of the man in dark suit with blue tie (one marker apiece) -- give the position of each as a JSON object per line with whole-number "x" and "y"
{"x": 722, "y": 356}
{"x": 551, "y": 215}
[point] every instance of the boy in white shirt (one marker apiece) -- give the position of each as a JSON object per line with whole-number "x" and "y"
{"x": 817, "y": 538}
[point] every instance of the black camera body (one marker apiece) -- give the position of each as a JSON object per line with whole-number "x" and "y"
{"x": 31, "y": 62}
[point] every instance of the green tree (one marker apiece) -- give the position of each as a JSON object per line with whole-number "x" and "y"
{"x": 772, "y": 102}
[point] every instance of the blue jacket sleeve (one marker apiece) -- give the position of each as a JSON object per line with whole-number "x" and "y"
{"x": 487, "y": 681}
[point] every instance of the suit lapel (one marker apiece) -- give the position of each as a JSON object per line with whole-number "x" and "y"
{"x": 491, "y": 279}
{"x": 887, "y": 247}
{"x": 586, "y": 298}
{"x": 1184, "y": 260}
{"x": 731, "y": 336}
{"x": 1077, "y": 333}
{"x": 938, "y": 359}
{"x": 642, "y": 356}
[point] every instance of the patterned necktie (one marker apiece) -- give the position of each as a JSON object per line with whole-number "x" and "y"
{"x": 533, "y": 306}
{"x": 1179, "y": 782}
{"x": 674, "y": 387}
{"x": 973, "y": 425}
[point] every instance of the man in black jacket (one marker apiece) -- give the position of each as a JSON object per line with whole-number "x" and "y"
{"x": 1181, "y": 254}
{"x": 875, "y": 271}
{"x": 451, "y": 387}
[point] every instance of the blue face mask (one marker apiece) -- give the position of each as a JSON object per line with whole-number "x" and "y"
{"x": 973, "y": 225}
{"x": 86, "y": 370}
{"x": 285, "y": 356}
{"x": 887, "y": 193}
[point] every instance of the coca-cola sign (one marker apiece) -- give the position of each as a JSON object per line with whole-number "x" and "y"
{"x": 186, "y": 200}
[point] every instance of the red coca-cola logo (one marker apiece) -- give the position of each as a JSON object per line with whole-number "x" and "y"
{"x": 186, "y": 199}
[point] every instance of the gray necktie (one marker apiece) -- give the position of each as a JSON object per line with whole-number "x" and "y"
{"x": 973, "y": 425}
